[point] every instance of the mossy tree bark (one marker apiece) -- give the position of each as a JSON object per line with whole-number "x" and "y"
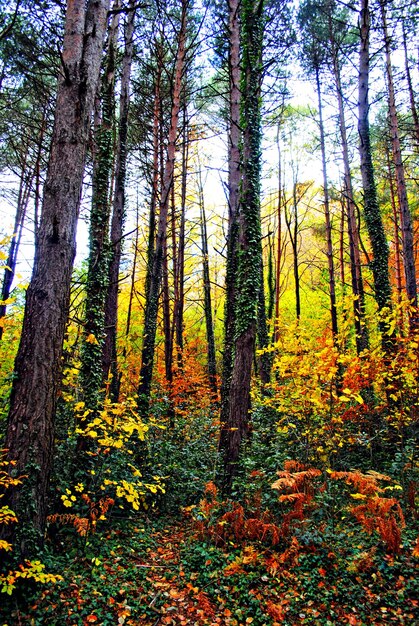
{"x": 249, "y": 244}
{"x": 110, "y": 363}
{"x": 233, "y": 201}
{"x": 373, "y": 219}
{"x": 91, "y": 374}
{"x": 31, "y": 420}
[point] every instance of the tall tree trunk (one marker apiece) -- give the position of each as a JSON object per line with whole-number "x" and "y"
{"x": 279, "y": 244}
{"x": 394, "y": 208}
{"x": 134, "y": 269}
{"x": 110, "y": 364}
{"x": 30, "y": 427}
{"x": 405, "y": 215}
{"x": 412, "y": 101}
{"x": 250, "y": 248}
{"x": 167, "y": 327}
{"x": 209, "y": 325}
{"x": 234, "y": 175}
{"x": 264, "y": 360}
{"x": 361, "y": 331}
{"x": 291, "y": 221}
{"x": 180, "y": 255}
{"x": 373, "y": 219}
{"x": 330, "y": 262}
{"x": 91, "y": 373}
{"x": 154, "y": 273}
{"x": 29, "y": 175}
{"x": 26, "y": 178}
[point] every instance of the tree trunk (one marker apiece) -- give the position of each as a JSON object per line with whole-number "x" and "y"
{"x": 372, "y": 213}
{"x": 361, "y": 331}
{"x": 28, "y": 175}
{"x": 405, "y": 215}
{"x": 30, "y": 427}
{"x": 209, "y": 325}
{"x": 26, "y": 178}
{"x": 155, "y": 271}
{"x": 250, "y": 249}
{"x": 179, "y": 257}
{"x": 91, "y": 354}
{"x": 330, "y": 262}
{"x": 279, "y": 245}
{"x": 412, "y": 102}
{"x": 233, "y": 200}
{"x": 110, "y": 364}
{"x": 264, "y": 360}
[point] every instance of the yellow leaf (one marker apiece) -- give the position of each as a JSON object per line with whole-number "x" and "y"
{"x": 92, "y": 339}
{"x": 358, "y": 496}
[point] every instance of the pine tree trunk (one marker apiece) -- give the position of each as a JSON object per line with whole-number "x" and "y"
{"x": 30, "y": 427}
{"x": 91, "y": 354}
{"x": 155, "y": 271}
{"x": 279, "y": 244}
{"x": 179, "y": 257}
{"x": 110, "y": 364}
{"x": 28, "y": 176}
{"x": 233, "y": 200}
{"x": 361, "y": 331}
{"x": 249, "y": 244}
{"x": 209, "y": 325}
{"x": 373, "y": 219}
{"x": 412, "y": 101}
{"x": 330, "y": 262}
{"x": 405, "y": 215}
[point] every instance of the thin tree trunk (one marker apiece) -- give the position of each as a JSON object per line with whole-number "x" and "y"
{"x": 110, "y": 364}
{"x": 412, "y": 101}
{"x": 30, "y": 427}
{"x": 167, "y": 327}
{"x": 134, "y": 269}
{"x": 293, "y": 235}
{"x": 397, "y": 251}
{"x": 180, "y": 256}
{"x": 361, "y": 331}
{"x": 279, "y": 250}
{"x": 155, "y": 271}
{"x": 264, "y": 361}
{"x": 330, "y": 262}
{"x": 209, "y": 325}
{"x": 405, "y": 215}
{"x": 10, "y": 267}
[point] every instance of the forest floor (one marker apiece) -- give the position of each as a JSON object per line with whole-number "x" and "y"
{"x": 160, "y": 571}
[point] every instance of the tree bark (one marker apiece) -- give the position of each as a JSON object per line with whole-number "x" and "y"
{"x": 250, "y": 248}
{"x": 154, "y": 272}
{"x": 405, "y": 215}
{"x": 373, "y": 219}
{"x": 234, "y": 175}
{"x": 30, "y": 427}
{"x": 91, "y": 354}
{"x": 110, "y": 363}
{"x": 330, "y": 261}
{"x": 361, "y": 331}
{"x": 209, "y": 325}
